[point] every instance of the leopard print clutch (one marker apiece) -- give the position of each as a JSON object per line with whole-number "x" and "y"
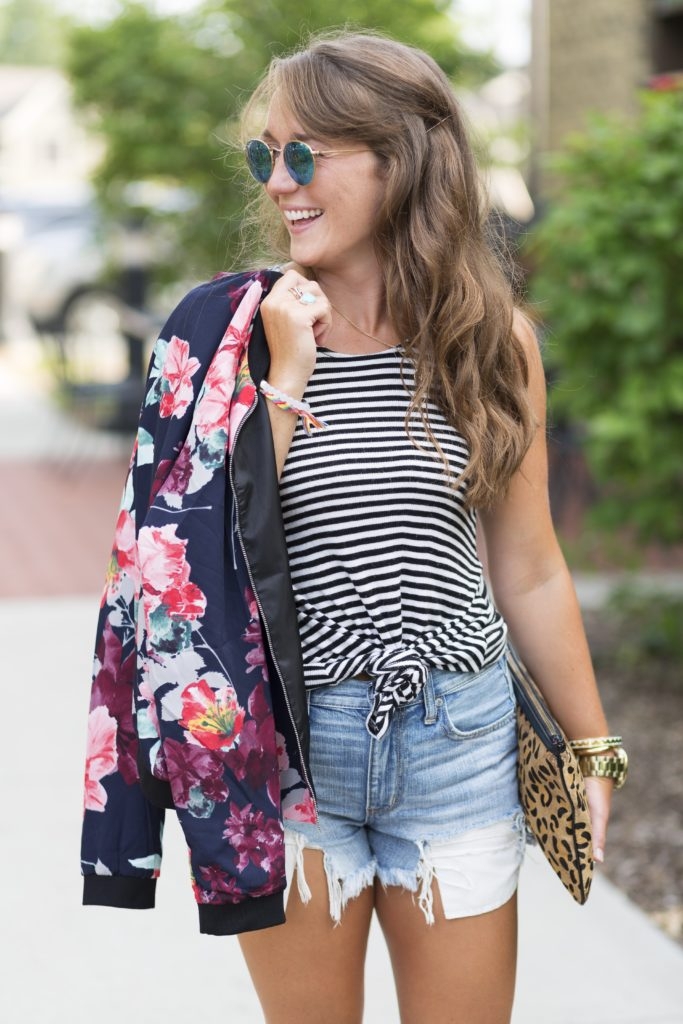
{"x": 551, "y": 787}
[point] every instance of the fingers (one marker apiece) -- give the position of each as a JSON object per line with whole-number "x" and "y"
{"x": 599, "y": 794}
{"x": 296, "y": 314}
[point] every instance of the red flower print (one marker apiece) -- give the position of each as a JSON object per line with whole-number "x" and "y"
{"x": 254, "y": 838}
{"x": 189, "y": 766}
{"x": 214, "y": 718}
{"x": 184, "y": 601}
{"x": 258, "y": 705}
{"x": 175, "y": 382}
{"x": 253, "y": 760}
{"x": 220, "y": 881}
{"x": 177, "y": 480}
{"x": 256, "y": 658}
{"x": 100, "y": 757}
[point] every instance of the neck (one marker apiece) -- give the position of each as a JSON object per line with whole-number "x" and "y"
{"x": 361, "y": 299}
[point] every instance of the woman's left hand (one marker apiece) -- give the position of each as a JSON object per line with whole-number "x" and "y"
{"x": 599, "y": 793}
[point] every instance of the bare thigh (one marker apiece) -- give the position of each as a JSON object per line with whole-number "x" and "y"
{"x": 308, "y": 971}
{"x": 459, "y": 971}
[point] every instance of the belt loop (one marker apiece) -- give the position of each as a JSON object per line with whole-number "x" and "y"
{"x": 429, "y": 699}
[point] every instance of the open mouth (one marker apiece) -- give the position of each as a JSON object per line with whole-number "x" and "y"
{"x": 302, "y": 216}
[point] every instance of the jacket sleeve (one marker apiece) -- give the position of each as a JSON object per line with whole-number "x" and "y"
{"x": 121, "y": 841}
{"x": 121, "y": 836}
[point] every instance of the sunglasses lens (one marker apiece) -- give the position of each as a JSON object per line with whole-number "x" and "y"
{"x": 300, "y": 162}
{"x": 259, "y": 160}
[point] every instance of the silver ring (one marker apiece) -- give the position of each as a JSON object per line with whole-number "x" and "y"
{"x": 306, "y": 298}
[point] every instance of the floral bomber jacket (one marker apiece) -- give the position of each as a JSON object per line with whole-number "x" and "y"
{"x": 197, "y": 700}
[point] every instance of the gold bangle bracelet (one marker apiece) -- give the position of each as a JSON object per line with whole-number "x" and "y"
{"x": 594, "y": 743}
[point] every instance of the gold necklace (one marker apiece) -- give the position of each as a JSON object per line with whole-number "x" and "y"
{"x": 360, "y": 329}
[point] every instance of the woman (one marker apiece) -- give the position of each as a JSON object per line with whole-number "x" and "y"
{"x": 387, "y": 383}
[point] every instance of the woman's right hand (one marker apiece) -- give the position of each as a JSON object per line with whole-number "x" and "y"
{"x": 293, "y": 329}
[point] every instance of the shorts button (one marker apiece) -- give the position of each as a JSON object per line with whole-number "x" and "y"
{"x": 439, "y": 701}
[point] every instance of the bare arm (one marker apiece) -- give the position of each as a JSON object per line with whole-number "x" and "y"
{"x": 534, "y": 591}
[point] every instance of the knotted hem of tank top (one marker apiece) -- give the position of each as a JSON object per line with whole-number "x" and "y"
{"x": 399, "y": 677}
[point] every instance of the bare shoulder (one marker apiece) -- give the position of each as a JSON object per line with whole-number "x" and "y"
{"x": 525, "y": 333}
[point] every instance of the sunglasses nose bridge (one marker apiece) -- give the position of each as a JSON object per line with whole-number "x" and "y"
{"x": 280, "y": 177}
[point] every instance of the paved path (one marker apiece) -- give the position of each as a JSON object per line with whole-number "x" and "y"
{"x": 66, "y": 964}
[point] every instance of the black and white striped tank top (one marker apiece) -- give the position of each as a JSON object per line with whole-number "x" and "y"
{"x": 383, "y": 556}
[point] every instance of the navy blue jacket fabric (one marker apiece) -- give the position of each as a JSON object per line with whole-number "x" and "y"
{"x": 197, "y": 699}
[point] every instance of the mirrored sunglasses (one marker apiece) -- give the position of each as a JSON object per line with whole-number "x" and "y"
{"x": 299, "y": 159}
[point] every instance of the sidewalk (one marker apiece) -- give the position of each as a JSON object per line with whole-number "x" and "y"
{"x": 599, "y": 964}
{"x": 604, "y": 963}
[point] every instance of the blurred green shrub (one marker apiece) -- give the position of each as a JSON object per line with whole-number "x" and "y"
{"x": 609, "y": 283}
{"x": 648, "y": 626}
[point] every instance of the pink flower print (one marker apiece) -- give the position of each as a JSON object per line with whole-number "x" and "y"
{"x": 239, "y": 327}
{"x": 166, "y": 577}
{"x": 175, "y": 383}
{"x": 125, "y": 542}
{"x": 254, "y": 838}
{"x": 214, "y": 718}
{"x": 162, "y": 558}
{"x": 100, "y": 757}
{"x": 250, "y": 598}
{"x": 123, "y": 559}
{"x": 299, "y": 806}
{"x": 212, "y": 412}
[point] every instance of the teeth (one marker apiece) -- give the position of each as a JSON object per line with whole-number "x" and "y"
{"x": 292, "y": 215}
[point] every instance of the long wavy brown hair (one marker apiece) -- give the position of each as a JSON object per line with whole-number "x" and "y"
{"x": 446, "y": 291}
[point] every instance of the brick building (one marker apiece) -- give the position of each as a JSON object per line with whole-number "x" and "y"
{"x": 594, "y": 55}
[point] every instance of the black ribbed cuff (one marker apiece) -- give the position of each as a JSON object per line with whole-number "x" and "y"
{"x": 119, "y": 891}
{"x": 250, "y": 915}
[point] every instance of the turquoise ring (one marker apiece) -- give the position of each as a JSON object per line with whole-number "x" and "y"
{"x": 306, "y": 298}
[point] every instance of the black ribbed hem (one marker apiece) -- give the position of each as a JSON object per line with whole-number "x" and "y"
{"x": 250, "y": 915}
{"x": 119, "y": 891}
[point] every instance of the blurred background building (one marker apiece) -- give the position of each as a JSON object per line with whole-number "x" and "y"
{"x": 594, "y": 55}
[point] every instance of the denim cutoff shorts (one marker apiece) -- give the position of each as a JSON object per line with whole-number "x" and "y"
{"x": 435, "y": 798}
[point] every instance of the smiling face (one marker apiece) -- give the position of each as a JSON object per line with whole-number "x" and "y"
{"x": 331, "y": 221}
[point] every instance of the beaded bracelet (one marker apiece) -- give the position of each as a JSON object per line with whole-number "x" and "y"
{"x": 289, "y": 404}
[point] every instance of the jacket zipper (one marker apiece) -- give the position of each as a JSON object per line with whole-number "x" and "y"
{"x": 260, "y": 607}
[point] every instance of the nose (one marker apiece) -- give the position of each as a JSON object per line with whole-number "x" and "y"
{"x": 280, "y": 182}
